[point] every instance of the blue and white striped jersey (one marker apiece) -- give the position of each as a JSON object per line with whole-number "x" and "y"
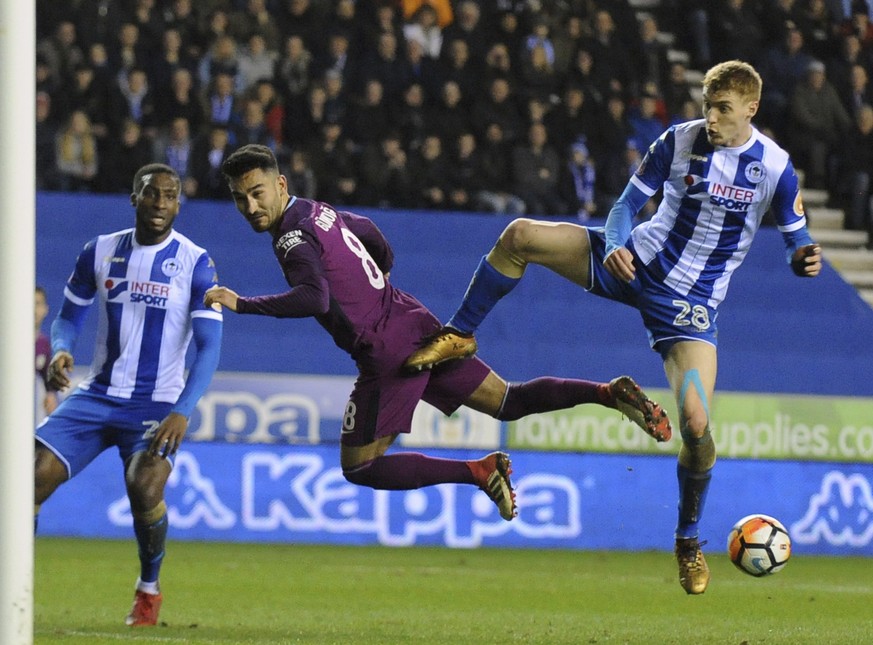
{"x": 713, "y": 203}
{"x": 148, "y": 296}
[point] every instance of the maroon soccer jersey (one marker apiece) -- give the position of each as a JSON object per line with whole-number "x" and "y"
{"x": 336, "y": 263}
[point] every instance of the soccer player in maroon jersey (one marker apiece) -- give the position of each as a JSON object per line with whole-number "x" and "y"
{"x": 337, "y": 265}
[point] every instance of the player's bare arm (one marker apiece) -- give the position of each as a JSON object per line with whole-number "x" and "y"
{"x": 221, "y": 296}
{"x": 806, "y": 261}
{"x": 620, "y": 263}
{"x": 168, "y": 436}
{"x": 59, "y": 370}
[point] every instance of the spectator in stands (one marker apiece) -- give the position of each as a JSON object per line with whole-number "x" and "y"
{"x": 859, "y": 93}
{"x": 149, "y": 23}
{"x": 303, "y": 18}
{"x": 578, "y": 183}
{"x": 221, "y": 59}
{"x": 855, "y": 188}
{"x": 423, "y": 27}
{"x": 860, "y": 23}
{"x": 208, "y": 152}
{"x": 566, "y": 37}
{"x": 369, "y": 117}
{"x": 122, "y": 157}
{"x": 254, "y": 18}
{"x": 507, "y": 31}
{"x": 336, "y": 57}
{"x": 428, "y": 169}
{"x": 464, "y": 181}
{"x": 256, "y": 62}
{"x": 222, "y": 100}
{"x": 652, "y": 53}
{"x": 60, "y": 52}
{"x": 216, "y": 25}
{"x": 161, "y": 68}
{"x": 76, "y": 153}
{"x": 419, "y": 69}
{"x": 782, "y": 67}
{"x": 537, "y": 75}
{"x": 584, "y": 74}
{"x": 736, "y": 31}
{"x": 293, "y": 71}
{"x": 387, "y": 65}
{"x": 137, "y": 100}
{"x": 126, "y": 52}
{"x": 644, "y": 121}
{"x": 458, "y": 66}
{"x": 412, "y": 118}
{"x": 573, "y": 119}
{"x": 347, "y": 20}
{"x": 495, "y": 168}
{"x": 676, "y": 90}
{"x": 301, "y": 179}
{"x": 182, "y": 100}
{"x": 274, "y": 109}
{"x": 819, "y": 124}
{"x": 449, "y": 115}
{"x": 817, "y": 22}
{"x": 536, "y": 172}
{"x": 251, "y": 127}
{"x": 611, "y": 55}
{"x": 776, "y": 16}
{"x": 498, "y": 62}
{"x": 467, "y": 27}
{"x": 385, "y": 174}
{"x": 174, "y": 149}
{"x": 45, "y": 144}
{"x": 609, "y": 147}
{"x": 83, "y": 91}
{"x": 181, "y": 17}
{"x": 303, "y": 120}
{"x": 498, "y": 105}
{"x": 46, "y": 399}
{"x": 333, "y": 165}
{"x": 840, "y": 66}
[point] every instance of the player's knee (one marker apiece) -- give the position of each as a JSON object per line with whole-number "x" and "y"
{"x": 49, "y": 473}
{"x": 515, "y": 238}
{"x": 695, "y": 422}
{"x": 360, "y": 475}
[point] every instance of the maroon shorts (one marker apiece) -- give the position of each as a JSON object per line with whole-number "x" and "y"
{"x": 382, "y": 404}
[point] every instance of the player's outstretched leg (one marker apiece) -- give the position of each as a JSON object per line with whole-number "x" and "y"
{"x": 144, "y": 612}
{"x": 485, "y": 290}
{"x": 491, "y": 474}
{"x": 633, "y": 403}
{"x": 447, "y": 344}
{"x": 693, "y": 571}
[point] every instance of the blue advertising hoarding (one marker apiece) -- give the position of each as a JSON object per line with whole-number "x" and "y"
{"x": 297, "y": 494}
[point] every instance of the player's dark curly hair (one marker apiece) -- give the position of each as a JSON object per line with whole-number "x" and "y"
{"x": 247, "y": 158}
{"x": 153, "y": 169}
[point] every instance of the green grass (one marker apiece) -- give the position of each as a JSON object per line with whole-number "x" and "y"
{"x": 228, "y": 594}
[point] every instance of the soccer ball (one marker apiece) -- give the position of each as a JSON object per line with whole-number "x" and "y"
{"x": 759, "y": 545}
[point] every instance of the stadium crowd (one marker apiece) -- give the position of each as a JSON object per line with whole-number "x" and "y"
{"x": 508, "y": 106}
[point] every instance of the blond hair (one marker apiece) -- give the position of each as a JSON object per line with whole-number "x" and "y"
{"x": 733, "y": 76}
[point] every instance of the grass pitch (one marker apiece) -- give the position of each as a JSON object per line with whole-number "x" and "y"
{"x": 229, "y": 594}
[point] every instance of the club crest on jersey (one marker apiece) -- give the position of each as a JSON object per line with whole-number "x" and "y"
{"x": 755, "y": 172}
{"x": 798, "y": 205}
{"x": 171, "y": 267}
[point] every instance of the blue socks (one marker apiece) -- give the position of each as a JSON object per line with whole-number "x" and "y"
{"x": 692, "y": 496}
{"x": 486, "y": 288}
{"x": 151, "y": 539}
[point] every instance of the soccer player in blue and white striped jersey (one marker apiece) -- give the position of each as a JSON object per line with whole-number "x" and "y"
{"x": 149, "y": 282}
{"x": 720, "y": 175}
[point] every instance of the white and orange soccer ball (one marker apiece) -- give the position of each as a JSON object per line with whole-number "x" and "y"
{"x": 759, "y": 545}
